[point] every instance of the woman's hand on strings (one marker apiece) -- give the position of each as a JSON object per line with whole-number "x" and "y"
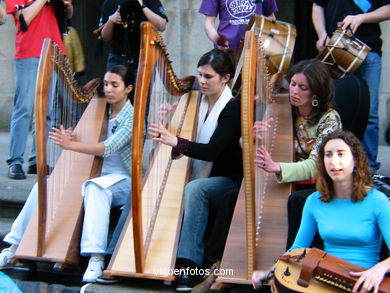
{"x": 62, "y": 137}
{"x": 264, "y": 161}
{"x": 370, "y": 279}
{"x": 164, "y": 110}
{"x": 159, "y": 133}
{"x": 261, "y": 127}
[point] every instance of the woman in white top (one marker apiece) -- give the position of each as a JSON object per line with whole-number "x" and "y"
{"x": 111, "y": 189}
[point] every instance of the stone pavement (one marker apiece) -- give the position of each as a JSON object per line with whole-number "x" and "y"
{"x": 12, "y": 196}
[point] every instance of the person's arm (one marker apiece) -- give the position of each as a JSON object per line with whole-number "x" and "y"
{"x": 227, "y": 133}
{"x": 373, "y": 277}
{"x": 211, "y": 31}
{"x": 308, "y": 227}
{"x": 30, "y": 12}
{"x": 65, "y": 139}
{"x": 108, "y": 27}
{"x": 158, "y": 21}
{"x": 69, "y": 8}
{"x": 378, "y": 15}
{"x": 318, "y": 18}
{"x": 304, "y": 170}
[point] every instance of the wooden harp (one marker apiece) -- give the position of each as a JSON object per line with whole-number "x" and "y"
{"x": 258, "y": 230}
{"x": 148, "y": 243}
{"x": 53, "y": 232}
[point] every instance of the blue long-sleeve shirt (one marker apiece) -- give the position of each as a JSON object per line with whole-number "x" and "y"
{"x": 351, "y": 230}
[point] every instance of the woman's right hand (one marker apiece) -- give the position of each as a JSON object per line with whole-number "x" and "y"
{"x": 261, "y": 127}
{"x": 159, "y": 133}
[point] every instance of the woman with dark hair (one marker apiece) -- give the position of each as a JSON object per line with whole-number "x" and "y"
{"x": 111, "y": 189}
{"x": 311, "y": 98}
{"x": 217, "y": 166}
{"x": 349, "y": 214}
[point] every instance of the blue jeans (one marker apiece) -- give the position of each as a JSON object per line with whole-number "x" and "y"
{"x": 200, "y": 197}
{"x": 370, "y": 71}
{"x": 25, "y": 78}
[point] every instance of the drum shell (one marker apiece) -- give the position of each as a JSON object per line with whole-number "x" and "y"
{"x": 278, "y": 40}
{"x": 344, "y": 53}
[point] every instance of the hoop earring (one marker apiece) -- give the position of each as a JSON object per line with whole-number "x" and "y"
{"x": 314, "y": 102}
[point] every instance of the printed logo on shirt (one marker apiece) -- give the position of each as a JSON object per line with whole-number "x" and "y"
{"x": 240, "y": 10}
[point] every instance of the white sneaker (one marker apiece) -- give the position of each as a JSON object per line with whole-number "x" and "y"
{"x": 94, "y": 269}
{"x": 7, "y": 255}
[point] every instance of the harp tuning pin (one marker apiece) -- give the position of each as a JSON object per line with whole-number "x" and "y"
{"x": 286, "y": 272}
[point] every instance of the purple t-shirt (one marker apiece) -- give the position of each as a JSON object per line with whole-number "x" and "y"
{"x": 234, "y": 15}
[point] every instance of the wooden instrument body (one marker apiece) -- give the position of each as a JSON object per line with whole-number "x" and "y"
{"x": 344, "y": 53}
{"x": 53, "y": 232}
{"x": 261, "y": 246}
{"x": 278, "y": 40}
{"x": 329, "y": 274}
{"x": 144, "y": 250}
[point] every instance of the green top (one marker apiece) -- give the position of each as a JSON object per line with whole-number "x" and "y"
{"x": 306, "y": 142}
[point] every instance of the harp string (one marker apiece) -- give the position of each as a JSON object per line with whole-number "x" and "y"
{"x": 63, "y": 109}
{"x": 162, "y": 108}
{"x": 262, "y": 113}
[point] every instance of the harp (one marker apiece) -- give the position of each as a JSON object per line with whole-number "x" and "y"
{"x": 148, "y": 242}
{"x": 53, "y": 232}
{"x": 260, "y": 215}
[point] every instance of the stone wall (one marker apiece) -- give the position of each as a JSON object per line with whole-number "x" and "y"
{"x": 185, "y": 40}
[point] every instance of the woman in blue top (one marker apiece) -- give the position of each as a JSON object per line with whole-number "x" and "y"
{"x": 350, "y": 216}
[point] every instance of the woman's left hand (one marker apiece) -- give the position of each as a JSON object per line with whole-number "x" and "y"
{"x": 264, "y": 161}
{"x": 369, "y": 279}
{"x": 62, "y": 137}
{"x": 159, "y": 133}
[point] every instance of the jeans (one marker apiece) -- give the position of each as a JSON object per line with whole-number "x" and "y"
{"x": 370, "y": 71}
{"x": 201, "y": 197}
{"x": 25, "y": 78}
{"x": 98, "y": 202}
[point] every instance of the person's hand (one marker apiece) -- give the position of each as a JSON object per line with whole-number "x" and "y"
{"x": 116, "y": 17}
{"x": 164, "y": 110}
{"x": 62, "y": 137}
{"x": 222, "y": 42}
{"x": 369, "y": 279}
{"x": 160, "y": 134}
{"x": 322, "y": 42}
{"x": 264, "y": 161}
{"x": 140, "y": 2}
{"x": 352, "y": 22}
{"x": 67, "y": 2}
{"x": 261, "y": 127}
{"x": 261, "y": 277}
